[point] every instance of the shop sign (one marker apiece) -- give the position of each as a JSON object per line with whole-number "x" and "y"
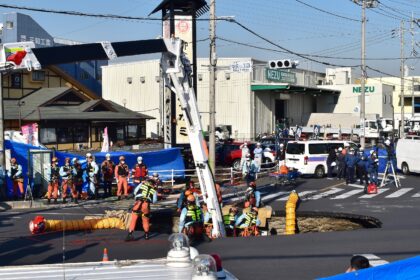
{"x": 368, "y": 89}
{"x": 280, "y": 76}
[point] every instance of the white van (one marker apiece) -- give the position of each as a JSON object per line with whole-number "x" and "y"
{"x": 407, "y": 155}
{"x": 310, "y": 157}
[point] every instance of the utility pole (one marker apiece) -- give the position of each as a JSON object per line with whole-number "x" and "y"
{"x": 212, "y": 88}
{"x": 365, "y": 4}
{"x": 363, "y": 80}
{"x": 402, "y": 136}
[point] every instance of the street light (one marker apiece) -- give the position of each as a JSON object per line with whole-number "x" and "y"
{"x": 20, "y": 104}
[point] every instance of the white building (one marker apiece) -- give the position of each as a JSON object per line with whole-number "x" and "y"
{"x": 251, "y": 102}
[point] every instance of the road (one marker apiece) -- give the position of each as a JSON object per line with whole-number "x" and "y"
{"x": 302, "y": 256}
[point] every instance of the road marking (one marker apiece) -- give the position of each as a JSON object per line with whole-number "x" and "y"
{"x": 356, "y": 186}
{"x": 301, "y": 194}
{"x": 274, "y": 195}
{"x": 382, "y": 175}
{"x": 324, "y": 194}
{"x": 382, "y": 190}
{"x": 399, "y": 193}
{"x": 416, "y": 195}
{"x": 374, "y": 260}
{"x": 347, "y": 194}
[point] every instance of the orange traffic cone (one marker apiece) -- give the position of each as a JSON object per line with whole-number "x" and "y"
{"x": 105, "y": 256}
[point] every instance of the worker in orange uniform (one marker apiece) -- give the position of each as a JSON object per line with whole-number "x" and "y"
{"x": 66, "y": 173}
{"x": 145, "y": 193}
{"x": 139, "y": 171}
{"x": 16, "y": 175}
{"x": 54, "y": 175}
{"x": 107, "y": 169}
{"x": 121, "y": 173}
{"x": 191, "y": 221}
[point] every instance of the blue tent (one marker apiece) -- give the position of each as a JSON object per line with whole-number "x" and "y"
{"x": 165, "y": 162}
{"x": 404, "y": 269}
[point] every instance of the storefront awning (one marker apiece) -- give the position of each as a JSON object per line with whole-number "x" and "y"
{"x": 287, "y": 88}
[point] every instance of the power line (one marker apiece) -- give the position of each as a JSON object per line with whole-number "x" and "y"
{"x": 386, "y": 74}
{"x": 326, "y": 12}
{"x": 309, "y": 55}
{"x": 287, "y": 50}
{"x": 395, "y": 10}
{"x": 108, "y": 16}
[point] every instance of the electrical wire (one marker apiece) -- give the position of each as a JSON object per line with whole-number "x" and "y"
{"x": 287, "y": 50}
{"x": 309, "y": 55}
{"x": 327, "y": 12}
{"x": 386, "y": 74}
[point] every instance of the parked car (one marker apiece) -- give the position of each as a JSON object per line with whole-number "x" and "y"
{"x": 310, "y": 157}
{"x": 230, "y": 154}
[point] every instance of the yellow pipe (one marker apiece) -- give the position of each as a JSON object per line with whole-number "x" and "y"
{"x": 40, "y": 224}
{"x": 291, "y": 213}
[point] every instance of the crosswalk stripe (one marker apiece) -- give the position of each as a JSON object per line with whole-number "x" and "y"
{"x": 399, "y": 193}
{"x": 416, "y": 195}
{"x": 274, "y": 195}
{"x": 324, "y": 194}
{"x": 356, "y": 186}
{"x": 301, "y": 194}
{"x": 347, "y": 194}
{"x": 382, "y": 190}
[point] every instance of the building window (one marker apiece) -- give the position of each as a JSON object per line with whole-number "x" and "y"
{"x": 407, "y": 101}
{"x": 38, "y": 76}
{"x": 16, "y": 80}
{"x": 120, "y": 133}
{"x": 416, "y": 87}
{"x": 81, "y": 134}
{"x": 9, "y": 24}
{"x": 23, "y": 38}
{"x": 132, "y": 131}
{"x": 48, "y": 135}
{"x": 64, "y": 135}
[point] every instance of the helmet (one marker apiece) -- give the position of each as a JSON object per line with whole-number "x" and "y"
{"x": 187, "y": 193}
{"x": 122, "y": 157}
{"x": 139, "y": 159}
{"x": 258, "y": 144}
{"x": 108, "y": 155}
{"x": 281, "y": 145}
{"x": 88, "y": 155}
{"x": 74, "y": 160}
{"x": 190, "y": 198}
{"x": 340, "y": 149}
{"x": 371, "y": 152}
{"x": 54, "y": 159}
{"x": 387, "y": 142}
{"x": 155, "y": 174}
{"x": 245, "y": 144}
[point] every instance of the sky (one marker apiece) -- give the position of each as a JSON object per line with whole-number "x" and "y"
{"x": 334, "y": 32}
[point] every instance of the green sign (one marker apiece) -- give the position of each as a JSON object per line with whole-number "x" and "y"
{"x": 367, "y": 89}
{"x": 279, "y": 76}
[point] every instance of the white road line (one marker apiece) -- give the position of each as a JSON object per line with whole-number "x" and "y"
{"x": 324, "y": 194}
{"x": 416, "y": 195}
{"x": 273, "y": 195}
{"x": 381, "y": 190}
{"x": 347, "y": 194}
{"x": 374, "y": 260}
{"x": 356, "y": 186}
{"x": 301, "y": 194}
{"x": 399, "y": 193}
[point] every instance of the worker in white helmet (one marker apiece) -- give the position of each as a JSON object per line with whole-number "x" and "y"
{"x": 92, "y": 170}
{"x": 139, "y": 171}
{"x": 258, "y": 156}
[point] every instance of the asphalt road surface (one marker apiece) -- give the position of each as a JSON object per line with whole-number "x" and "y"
{"x": 301, "y": 256}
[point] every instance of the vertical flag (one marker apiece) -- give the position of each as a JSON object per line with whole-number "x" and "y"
{"x": 105, "y": 143}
